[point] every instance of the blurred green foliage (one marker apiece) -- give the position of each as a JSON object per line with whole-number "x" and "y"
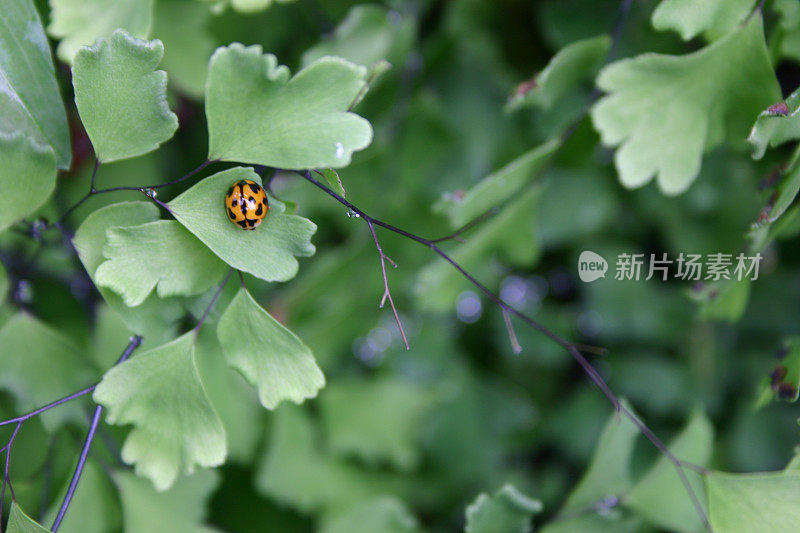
{"x": 458, "y": 431}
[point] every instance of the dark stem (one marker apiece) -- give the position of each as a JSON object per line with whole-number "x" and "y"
{"x": 571, "y": 348}
{"x": 87, "y": 444}
{"x": 47, "y": 407}
{"x": 213, "y": 301}
{"x": 387, "y": 294}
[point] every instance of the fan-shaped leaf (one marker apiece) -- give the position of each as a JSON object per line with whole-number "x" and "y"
{"x": 268, "y": 252}
{"x": 256, "y": 114}
{"x": 267, "y": 354}
{"x": 121, "y": 98}
{"x": 175, "y": 428}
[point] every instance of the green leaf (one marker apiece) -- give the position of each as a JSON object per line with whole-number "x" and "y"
{"x": 376, "y": 420}
{"x": 608, "y": 473}
{"x": 19, "y": 522}
{"x": 182, "y": 25}
{"x": 94, "y": 507}
{"x": 236, "y": 402}
{"x": 161, "y": 255}
{"x": 497, "y": 187}
{"x": 690, "y": 18}
{"x": 181, "y": 509}
{"x": 175, "y": 428}
{"x": 368, "y": 34}
{"x": 510, "y": 234}
{"x": 154, "y": 317}
{"x": 787, "y": 189}
{"x": 506, "y": 511}
{"x": 257, "y": 115}
{"x": 26, "y": 166}
{"x": 40, "y": 366}
{"x": 333, "y": 181}
{"x": 659, "y": 496}
{"x": 30, "y": 101}
{"x": 296, "y": 472}
{"x": 252, "y": 6}
{"x": 789, "y": 23}
{"x": 3, "y": 283}
{"x": 665, "y": 111}
{"x": 121, "y": 98}
{"x": 743, "y": 503}
{"x": 269, "y": 356}
{"x": 776, "y": 125}
{"x": 77, "y": 24}
{"x": 574, "y": 64}
{"x": 268, "y": 252}
{"x": 384, "y": 514}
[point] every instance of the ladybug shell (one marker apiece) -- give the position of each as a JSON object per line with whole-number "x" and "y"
{"x": 246, "y": 204}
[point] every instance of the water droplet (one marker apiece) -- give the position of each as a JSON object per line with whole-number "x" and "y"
{"x": 352, "y": 214}
{"x": 339, "y": 151}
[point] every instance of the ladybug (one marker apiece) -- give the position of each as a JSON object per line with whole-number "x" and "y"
{"x": 246, "y": 204}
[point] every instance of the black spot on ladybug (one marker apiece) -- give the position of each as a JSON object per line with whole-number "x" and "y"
{"x": 260, "y": 210}
{"x": 243, "y": 223}
{"x": 231, "y": 215}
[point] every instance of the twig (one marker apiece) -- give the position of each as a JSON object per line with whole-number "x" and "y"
{"x": 387, "y": 294}
{"x": 87, "y": 444}
{"x": 571, "y": 348}
{"x": 27, "y": 416}
{"x": 214, "y": 298}
{"x": 143, "y": 189}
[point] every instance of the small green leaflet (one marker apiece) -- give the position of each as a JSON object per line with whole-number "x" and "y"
{"x": 175, "y": 428}
{"x": 778, "y": 124}
{"x": 663, "y": 112}
{"x": 253, "y": 6}
{"x": 267, "y": 354}
{"x": 608, "y": 474}
{"x": 3, "y": 283}
{"x": 496, "y": 188}
{"x": 94, "y": 508}
{"x": 258, "y": 115}
{"x": 743, "y": 503}
{"x": 121, "y": 98}
{"x": 181, "y": 509}
{"x": 19, "y": 522}
{"x": 383, "y": 514}
{"x": 152, "y": 317}
{"x": 30, "y": 101}
{"x": 26, "y": 166}
{"x": 40, "y": 365}
{"x": 376, "y": 420}
{"x": 77, "y": 24}
{"x": 659, "y": 496}
{"x": 690, "y": 18}
{"x": 161, "y": 255}
{"x": 182, "y": 25}
{"x": 506, "y": 511}
{"x": 366, "y": 36}
{"x": 574, "y": 64}
{"x": 333, "y": 181}
{"x": 268, "y": 252}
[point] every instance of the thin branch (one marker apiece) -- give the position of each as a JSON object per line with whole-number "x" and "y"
{"x": 571, "y": 348}
{"x": 27, "y": 416}
{"x": 213, "y": 301}
{"x": 87, "y": 444}
{"x": 145, "y": 189}
{"x": 6, "y": 480}
{"x": 387, "y": 294}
